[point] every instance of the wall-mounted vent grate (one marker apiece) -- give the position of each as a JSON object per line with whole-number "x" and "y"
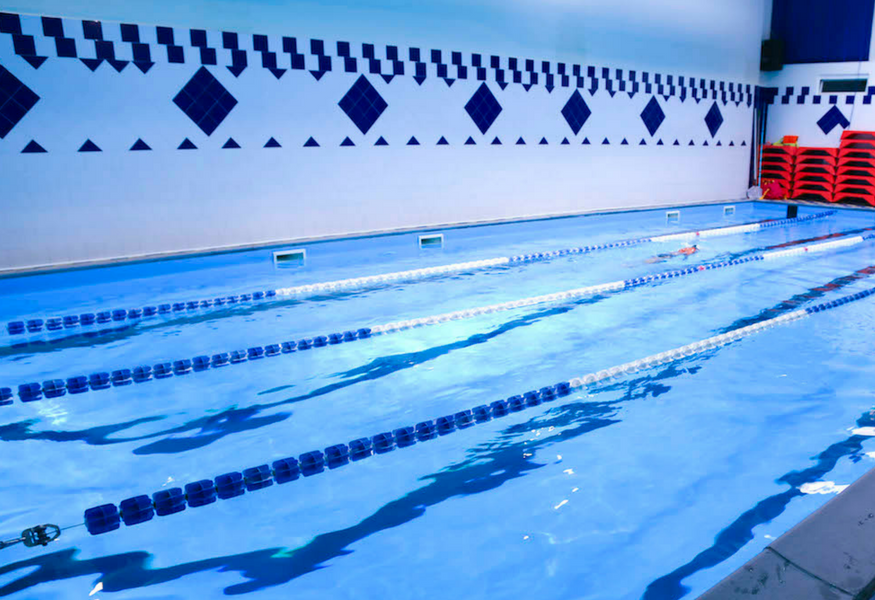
{"x": 843, "y": 85}
{"x": 431, "y": 240}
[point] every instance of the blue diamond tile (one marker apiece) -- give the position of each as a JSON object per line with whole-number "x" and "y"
{"x": 16, "y": 99}
{"x": 576, "y": 112}
{"x": 652, "y": 115}
{"x": 829, "y": 120}
{"x": 363, "y": 104}
{"x": 714, "y": 119}
{"x": 483, "y": 108}
{"x": 205, "y": 101}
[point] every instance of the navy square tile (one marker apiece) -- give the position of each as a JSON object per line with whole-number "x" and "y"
{"x": 53, "y": 27}
{"x": 421, "y": 70}
{"x": 227, "y": 101}
{"x": 26, "y": 97}
{"x": 530, "y": 65}
{"x": 130, "y": 33}
{"x": 477, "y": 60}
{"x": 343, "y": 49}
{"x": 23, "y": 45}
{"x": 494, "y": 62}
{"x": 208, "y": 123}
{"x": 290, "y": 45}
{"x": 195, "y": 111}
{"x": 442, "y": 70}
{"x": 392, "y": 53}
{"x": 374, "y": 67}
{"x": 208, "y": 56}
{"x": 369, "y": 51}
{"x": 545, "y": 66}
{"x": 105, "y": 50}
{"x": 165, "y": 35}
{"x": 436, "y": 56}
{"x": 298, "y": 62}
{"x": 462, "y": 72}
{"x": 12, "y": 111}
{"x": 575, "y": 70}
{"x": 259, "y": 43}
{"x": 268, "y": 60}
{"x": 481, "y": 74}
{"x": 10, "y": 23}
{"x": 456, "y": 58}
{"x": 324, "y": 63}
{"x": 317, "y": 47}
{"x": 66, "y": 47}
{"x": 397, "y": 67}
{"x": 512, "y": 64}
{"x": 229, "y": 41}
{"x": 184, "y": 101}
{"x": 198, "y": 38}
{"x": 350, "y": 65}
{"x": 175, "y": 55}
{"x": 414, "y": 55}
{"x": 142, "y": 53}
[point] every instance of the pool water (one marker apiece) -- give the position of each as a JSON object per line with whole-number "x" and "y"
{"x": 654, "y": 485}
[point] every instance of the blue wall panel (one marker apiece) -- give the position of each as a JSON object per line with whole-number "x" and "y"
{"x": 816, "y": 31}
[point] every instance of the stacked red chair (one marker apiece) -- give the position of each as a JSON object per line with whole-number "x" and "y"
{"x": 855, "y": 178}
{"x": 776, "y": 164}
{"x": 814, "y": 173}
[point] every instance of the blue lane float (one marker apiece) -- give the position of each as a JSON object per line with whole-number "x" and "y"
{"x": 106, "y": 518}
{"x": 134, "y": 315}
{"x": 32, "y": 391}
{"x": 142, "y": 508}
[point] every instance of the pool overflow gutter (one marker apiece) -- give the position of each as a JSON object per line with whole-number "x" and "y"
{"x": 298, "y": 256}
{"x": 139, "y": 509}
{"x": 54, "y": 388}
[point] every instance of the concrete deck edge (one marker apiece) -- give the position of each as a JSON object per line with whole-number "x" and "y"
{"x": 829, "y": 554}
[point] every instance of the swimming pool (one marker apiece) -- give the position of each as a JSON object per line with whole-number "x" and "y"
{"x": 653, "y": 484}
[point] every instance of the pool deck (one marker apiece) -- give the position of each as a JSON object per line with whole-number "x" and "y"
{"x": 829, "y": 555}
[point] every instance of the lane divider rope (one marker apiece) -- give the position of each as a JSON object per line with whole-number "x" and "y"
{"x": 140, "y": 509}
{"x": 54, "y": 388}
{"x": 37, "y": 325}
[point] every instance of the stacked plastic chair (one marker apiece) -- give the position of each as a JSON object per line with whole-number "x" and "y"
{"x": 814, "y": 173}
{"x": 855, "y": 179}
{"x": 776, "y": 164}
